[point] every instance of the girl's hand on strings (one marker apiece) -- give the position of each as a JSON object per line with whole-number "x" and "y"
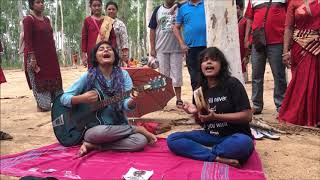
{"x": 207, "y": 117}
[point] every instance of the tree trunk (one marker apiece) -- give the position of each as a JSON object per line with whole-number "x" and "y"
{"x": 88, "y": 13}
{"x": 149, "y": 8}
{"x": 222, "y": 32}
{"x": 20, "y": 8}
{"x": 124, "y": 13}
{"x": 56, "y": 22}
{"x": 145, "y": 41}
{"x": 138, "y": 32}
{"x": 62, "y": 36}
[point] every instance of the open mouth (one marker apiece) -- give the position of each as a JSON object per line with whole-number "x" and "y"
{"x": 105, "y": 55}
{"x": 209, "y": 67}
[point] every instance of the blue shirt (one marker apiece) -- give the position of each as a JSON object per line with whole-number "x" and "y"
{"x": 80, "y": 86}
{"x": 192, "y": 18}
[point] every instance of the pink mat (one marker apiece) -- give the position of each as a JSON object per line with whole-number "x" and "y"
{"x": 113, "y": 165}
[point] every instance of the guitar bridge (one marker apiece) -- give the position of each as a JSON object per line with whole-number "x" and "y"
{"x": 58, "y": 121}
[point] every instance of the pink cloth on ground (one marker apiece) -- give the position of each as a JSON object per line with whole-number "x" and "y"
{"x": 113, "y": 165}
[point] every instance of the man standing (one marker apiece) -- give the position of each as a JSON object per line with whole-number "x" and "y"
{"x": 191, "y": 16}
{"x": 165, "y": 47}
{"x": 273, "y": 22}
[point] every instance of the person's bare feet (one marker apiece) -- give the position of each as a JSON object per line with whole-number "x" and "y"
{"x": 86, "y": 147}
{"x": 151, "y": 137}
{"x": 231, "y": 162}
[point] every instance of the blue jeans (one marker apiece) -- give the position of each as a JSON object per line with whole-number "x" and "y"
{"x": 193, "y": 145}
{"x": 273, "y": 53}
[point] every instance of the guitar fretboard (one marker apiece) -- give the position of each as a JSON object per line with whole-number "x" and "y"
{"x": 111, "y": 100}
{"x": 153, "y": 84}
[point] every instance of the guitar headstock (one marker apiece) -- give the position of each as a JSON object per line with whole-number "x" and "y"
{"x": 155, "y": 83}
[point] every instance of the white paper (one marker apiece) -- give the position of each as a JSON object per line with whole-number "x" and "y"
{"x": 136, "y": 174}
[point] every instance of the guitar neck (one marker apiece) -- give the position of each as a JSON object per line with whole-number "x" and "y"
{"x": 152, "y": 84}
{"x": 111, "y": 100}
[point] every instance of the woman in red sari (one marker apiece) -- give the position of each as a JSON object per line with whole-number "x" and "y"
{"x": 2, "y": 77}
{"x": 301, "y": 104}
{"x": 40, "y": 57}
{"x": 95, "y": 28}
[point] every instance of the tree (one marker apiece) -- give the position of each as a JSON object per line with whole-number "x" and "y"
{"x": 67, "y": 23}
{"x": 149, "y": 8}
{"x": 222, "y": 32}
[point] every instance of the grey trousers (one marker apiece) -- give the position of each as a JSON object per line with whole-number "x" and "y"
{"x": 116, "y": 137}
{"x": 273, "y": 53}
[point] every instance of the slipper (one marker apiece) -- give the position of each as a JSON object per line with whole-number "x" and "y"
{"x": 256, "y": 134}
{"x": 270, "y": 135}
{"x": 5, "y": 136}
{"x": 179, "y": 104}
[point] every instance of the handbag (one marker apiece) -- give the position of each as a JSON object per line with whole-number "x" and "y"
{"x": 259, "y": 34}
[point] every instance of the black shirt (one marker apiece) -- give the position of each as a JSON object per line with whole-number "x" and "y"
{"x": 228, "y": 97}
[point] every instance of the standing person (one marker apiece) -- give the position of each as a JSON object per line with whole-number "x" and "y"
{"x": 191, "y": 16}
{"x": 225, "y": 122}
{"x": 120, "y": 30}
{"x": 301, "y": 104}
{"x": 244, "y": 52}
{"x": 165, "y": 47}
{"x": 40, "y": 57}
{"x": 106, "y": 76}
{"x": 74, "y": 59}
{"x": 95, "y": 29}
{"x": 2, "y": 77}
{"x": 3, "y": 135}
{"x": 273, "y": 23}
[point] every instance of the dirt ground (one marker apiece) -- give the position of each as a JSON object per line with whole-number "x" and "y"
{"x": 294, "y": 156}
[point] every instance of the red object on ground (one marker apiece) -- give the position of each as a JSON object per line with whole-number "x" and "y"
{"x": 153, "y": 100}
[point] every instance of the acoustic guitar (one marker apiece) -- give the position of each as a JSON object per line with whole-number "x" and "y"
{"x": 70, "y": 124}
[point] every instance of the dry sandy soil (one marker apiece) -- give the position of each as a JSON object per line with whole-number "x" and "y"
{"x": 294, "y": 156}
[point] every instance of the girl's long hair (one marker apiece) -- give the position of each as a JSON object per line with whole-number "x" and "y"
{"x": 224, "y": 73}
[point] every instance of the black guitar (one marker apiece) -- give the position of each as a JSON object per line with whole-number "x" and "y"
{"x": 69, "y": 124}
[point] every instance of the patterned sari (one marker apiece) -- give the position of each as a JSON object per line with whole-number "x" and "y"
{"x": 105, "y": 29}
{"x": 301, "y": 104}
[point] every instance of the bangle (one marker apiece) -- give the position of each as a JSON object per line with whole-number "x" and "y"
{"x": 287, "y": 53}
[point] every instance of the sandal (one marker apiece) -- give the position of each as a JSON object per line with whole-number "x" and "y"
{"x": 39, "y": 109}
{"x": 179, "y": 104}
{"x": 269, "y": 134}
{"x": 5, "y": 136}
{"x": 256, "y": 134}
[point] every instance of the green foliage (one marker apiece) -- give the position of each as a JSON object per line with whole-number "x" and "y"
{"x": 74, "y": 15}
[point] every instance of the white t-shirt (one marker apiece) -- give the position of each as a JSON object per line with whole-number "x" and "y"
{"x": 163, "y": 20}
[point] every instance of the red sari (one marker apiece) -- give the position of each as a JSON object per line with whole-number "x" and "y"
{"x": 38, "y": 38}
{"x": 2, "y": 77}
{"x": 301, "y": 104}
{"x": 89, "y": 36}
